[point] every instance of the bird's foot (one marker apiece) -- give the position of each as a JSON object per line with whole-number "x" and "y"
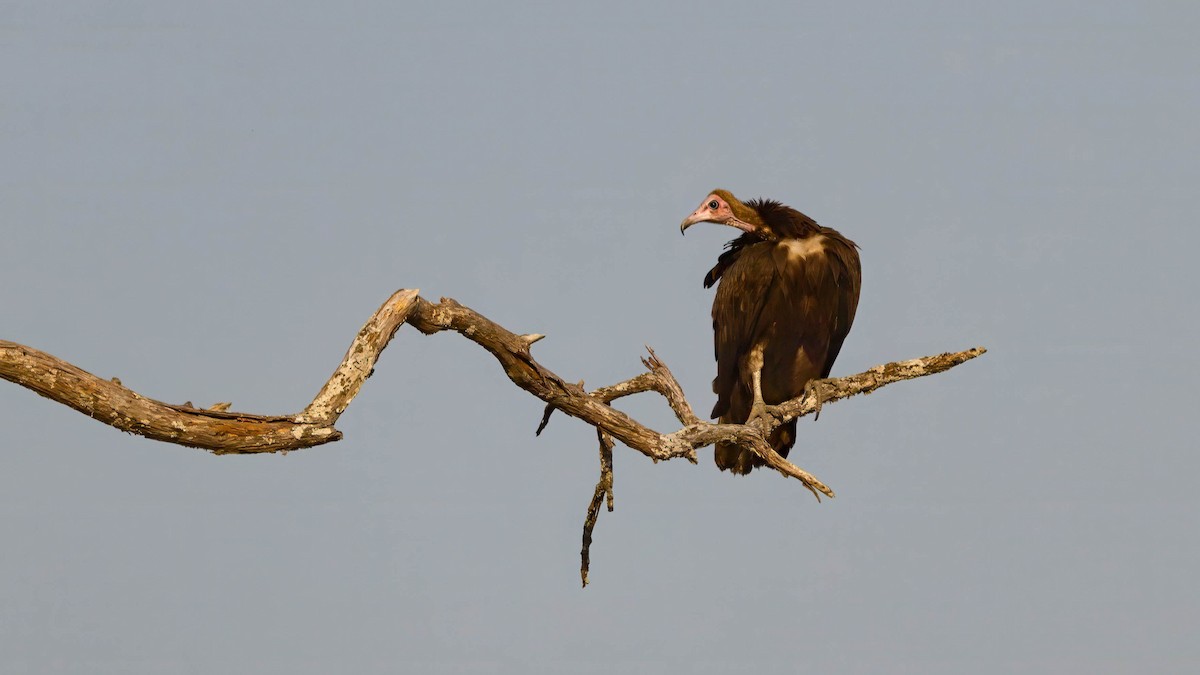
{"x": 817, "y": 390}
{"x": 760, "y": 412}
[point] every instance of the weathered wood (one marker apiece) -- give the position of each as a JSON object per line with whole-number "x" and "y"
{"x": 117, "y": 406}
{"x": 512, "y": 351}
{"x": 213, "y": 429}
{"x": 359, "y": 361}
{"x": 236, "y": 432}
{"x": 603, "y": 491}
{"x": 225, "y": 432}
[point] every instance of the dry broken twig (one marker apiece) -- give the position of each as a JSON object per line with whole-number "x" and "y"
{"x": 224, "y": 432}
{"x": 604, "y": 491}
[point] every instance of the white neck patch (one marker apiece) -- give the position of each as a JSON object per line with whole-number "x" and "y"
{"x": 799, "y": 249}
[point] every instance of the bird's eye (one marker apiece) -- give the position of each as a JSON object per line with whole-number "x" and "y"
{"x": 713, "y": 205}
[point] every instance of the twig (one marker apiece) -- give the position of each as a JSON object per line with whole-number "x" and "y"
{"x": 659, "y": 379}
{"x": 668, "y": 386}
{"x": 603, "y": 491}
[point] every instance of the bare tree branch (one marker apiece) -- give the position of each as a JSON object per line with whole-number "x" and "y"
{"x": 360, "y": 359}
{"x": 604, "y": 490}
{"x": 213, "y": 429}
{"x": 668, "y": 386}
{"x": 113, "y": 404}
{"x": 225, "y": 432}
{"x": 659, "y": 379}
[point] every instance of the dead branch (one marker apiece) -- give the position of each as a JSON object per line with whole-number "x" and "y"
{"x": 359, "y": 362}
{"x": 223, "y": 432}
{"x": 604, "y": 490}
{"x": 213, "y": 429}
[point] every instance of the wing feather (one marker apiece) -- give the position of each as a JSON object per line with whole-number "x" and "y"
{"x": 746, "y": 287}
{"x": 847, "y": 271}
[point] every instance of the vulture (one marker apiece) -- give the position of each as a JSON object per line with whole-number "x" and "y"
{"x": 786, "y": 296}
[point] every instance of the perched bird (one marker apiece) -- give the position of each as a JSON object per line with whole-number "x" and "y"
{"x": 787, "y": 295}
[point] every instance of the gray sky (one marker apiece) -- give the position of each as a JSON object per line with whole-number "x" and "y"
{"x": 208, "y": 199}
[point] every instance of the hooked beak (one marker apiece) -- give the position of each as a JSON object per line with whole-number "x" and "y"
{"x": 699, "y": 216}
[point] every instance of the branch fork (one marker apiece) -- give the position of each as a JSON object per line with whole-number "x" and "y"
{"x": 225, "y": 432}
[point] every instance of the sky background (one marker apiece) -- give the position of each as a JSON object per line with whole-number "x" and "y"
{"x": 207, "y": 200}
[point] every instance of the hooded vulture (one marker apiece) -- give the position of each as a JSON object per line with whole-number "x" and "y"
{"x": 786, "y": 298}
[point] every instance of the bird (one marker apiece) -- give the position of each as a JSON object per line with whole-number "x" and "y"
{"x": 787, "y": 292}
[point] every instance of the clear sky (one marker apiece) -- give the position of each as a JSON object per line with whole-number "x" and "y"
{"x": 208, "y": 199}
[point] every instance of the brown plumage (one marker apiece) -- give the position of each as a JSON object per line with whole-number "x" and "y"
{"x": 787, "y": 295}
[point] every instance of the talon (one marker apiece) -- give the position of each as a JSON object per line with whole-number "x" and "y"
{"x": 757, "y": 412}
{"x": 813, "y": 387}
{"x": 761, "y": 411}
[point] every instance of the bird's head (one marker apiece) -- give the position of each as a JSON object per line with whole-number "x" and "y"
{"x": 721, "y": 207}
